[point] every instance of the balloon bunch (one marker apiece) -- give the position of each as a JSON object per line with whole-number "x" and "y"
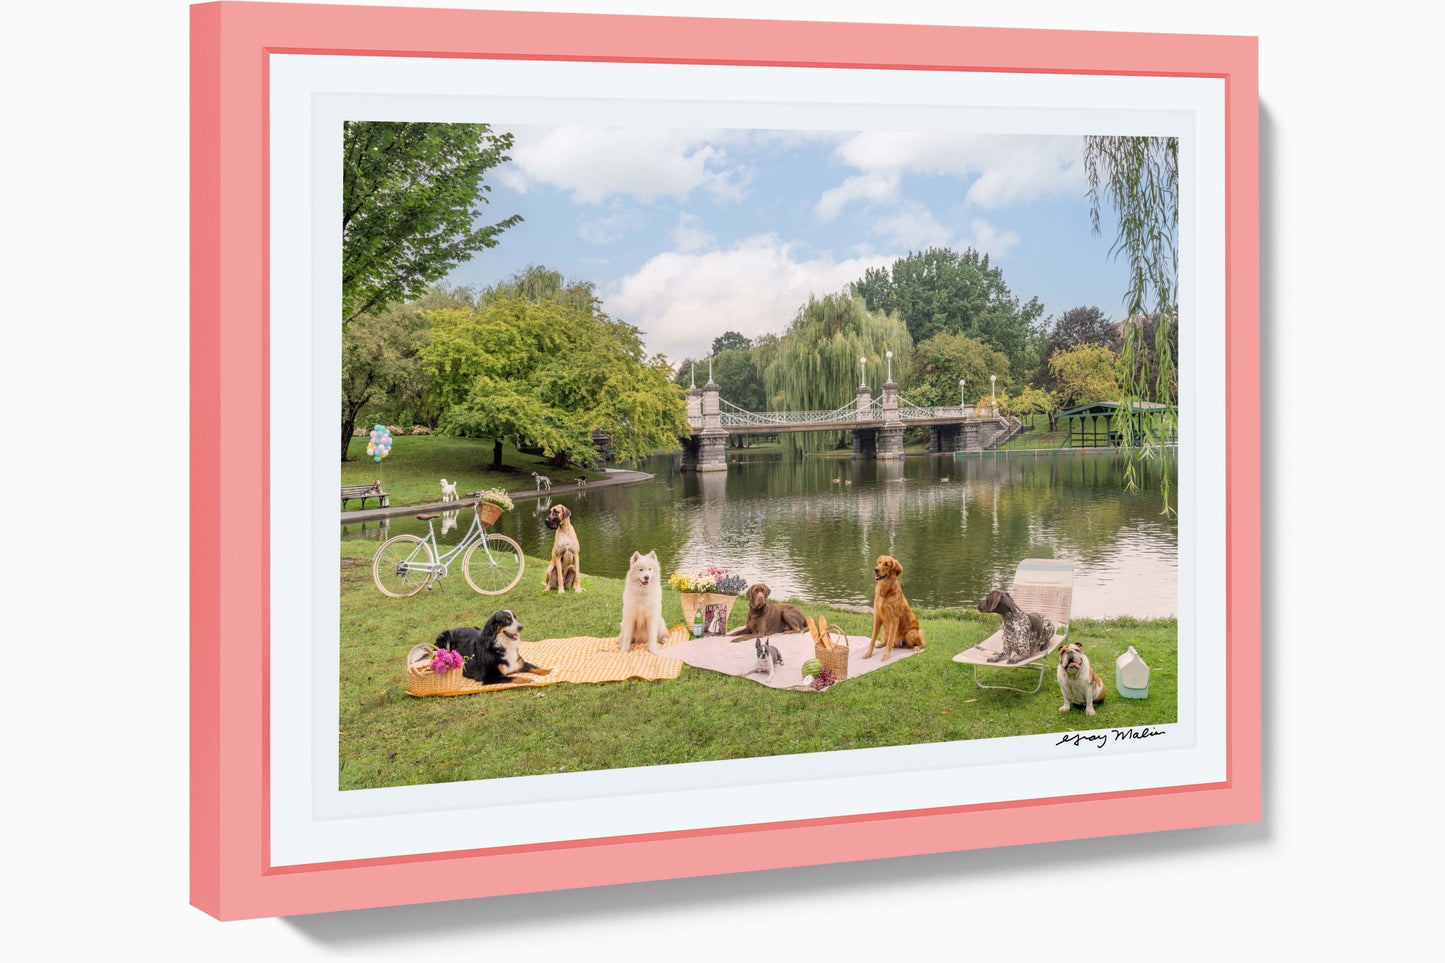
{"x": 380, "y": 444}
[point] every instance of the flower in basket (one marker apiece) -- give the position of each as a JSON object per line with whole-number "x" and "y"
{"x": 497, "y": 497}
{"x": 446, "y": 660}
{"x": 708, "y": 580}
{"x": 683, "y": 582}
{"x": 728, "y": 583}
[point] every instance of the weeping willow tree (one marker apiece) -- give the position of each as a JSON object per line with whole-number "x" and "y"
{"x": 1139, "y": 178}
{"x": 814, "y": 365}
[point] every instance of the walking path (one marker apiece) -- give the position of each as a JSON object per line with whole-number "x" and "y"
{"x": 615, "y": 476}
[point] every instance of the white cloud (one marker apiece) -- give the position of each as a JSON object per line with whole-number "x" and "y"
{"x": 987, "y": 239}
{"x": 688, "y": 237}
{"x": 594, "y": 164}
{"x": 610, "y": 227}
{"x": 1003, "y": 170}
{"x": 875, "y": 188}
{"x": 914, "y": 227}
{"x": 682, "y": 300}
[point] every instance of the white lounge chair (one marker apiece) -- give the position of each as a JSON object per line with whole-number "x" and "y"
{"x": 1041, "y": 585}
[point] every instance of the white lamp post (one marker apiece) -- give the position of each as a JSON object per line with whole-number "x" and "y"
{"x": 993, "y": 391}
{"x": 862, "y": 372}
{"x": 890, "y": 365}
{"x": 961, "y": 402}
{"x": 709, "y": 370}
{"x": 694, "y": 374}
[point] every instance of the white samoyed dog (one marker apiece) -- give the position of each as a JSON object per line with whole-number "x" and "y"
{"x": 642, "y": 604}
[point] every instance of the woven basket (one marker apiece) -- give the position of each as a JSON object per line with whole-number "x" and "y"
{"x": 487, "y": 514}
{"x": 422, "y": 681}
{"x": 692, "y": 601}
{"x": 835, "y": 658}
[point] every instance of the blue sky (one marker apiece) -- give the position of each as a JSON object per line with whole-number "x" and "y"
{"x": 689, "y": 233}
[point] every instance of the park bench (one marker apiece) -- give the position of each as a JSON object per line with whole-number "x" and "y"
{"x": 363, "y": 492}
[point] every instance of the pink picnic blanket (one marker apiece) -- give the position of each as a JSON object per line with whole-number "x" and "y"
{"x": 720, "y": 654}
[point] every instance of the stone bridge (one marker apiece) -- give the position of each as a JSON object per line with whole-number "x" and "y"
{"x": 877, "y": 425}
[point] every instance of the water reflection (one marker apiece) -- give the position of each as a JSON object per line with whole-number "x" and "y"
{"x": 784, "y": 520}
{"x": 378, "y": 530}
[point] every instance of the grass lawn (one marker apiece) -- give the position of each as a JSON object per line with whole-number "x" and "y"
{"x": 412, "y": 473}
{"x": 388, "y": 738}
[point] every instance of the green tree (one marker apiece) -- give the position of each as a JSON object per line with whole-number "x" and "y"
{"x": 537, "y": 283}
{"x": 379, "y": 361}
{"x": 730, "y": 341}
{"x": 1030, "y": 401}
{"x": 411, "y": 196}
{"x": 551, "y": 372}
{"x": 736, "y": 373}
{"x": 940, "y": 290}
{"x": 814, "y": 366}
{"x": 1155, "y": 363}
{"x": 1084, "y": 374}
{"x": 684, "y": 376}
{"x": 943, "y": 359}
{"x": 1076, "y": 326}
{"x": 382, "y": 373}
{"x": 1139, "y": 178}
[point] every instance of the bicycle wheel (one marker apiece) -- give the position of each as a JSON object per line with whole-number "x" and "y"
{"x": 402, "y": 566}
{"x": 493, "y": 565}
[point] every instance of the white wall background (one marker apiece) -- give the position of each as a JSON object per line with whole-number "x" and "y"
{"x": 94, "y": 258}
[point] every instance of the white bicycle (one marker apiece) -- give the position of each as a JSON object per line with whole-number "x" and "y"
{"x": 492, "y": 564}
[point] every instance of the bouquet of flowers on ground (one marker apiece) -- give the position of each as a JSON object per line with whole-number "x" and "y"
{"x": 446, "y": 660}
{"x": 497, "y": 497}
{"x": 714, "y": 580}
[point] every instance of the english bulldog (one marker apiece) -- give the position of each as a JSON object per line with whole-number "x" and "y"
{"x": 1079, "y": 683}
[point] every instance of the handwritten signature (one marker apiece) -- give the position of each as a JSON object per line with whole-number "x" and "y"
{"x": 1102, "y": 738}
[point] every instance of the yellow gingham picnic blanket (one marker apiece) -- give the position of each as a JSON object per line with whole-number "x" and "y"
{"x": 586, "y": 658}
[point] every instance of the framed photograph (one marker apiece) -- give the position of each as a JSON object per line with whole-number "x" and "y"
{"x": 715, "y": 619}
{"x": 652, "y": 204}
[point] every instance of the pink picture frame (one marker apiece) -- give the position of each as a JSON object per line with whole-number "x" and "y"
{"x": 233, "y": 46}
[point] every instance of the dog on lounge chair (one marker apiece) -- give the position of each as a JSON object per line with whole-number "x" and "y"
{"x": 1025, "y": 634}
{"x": 767, "y": 618}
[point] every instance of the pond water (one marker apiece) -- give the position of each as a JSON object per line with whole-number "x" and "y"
{"x": 812, "y": 526}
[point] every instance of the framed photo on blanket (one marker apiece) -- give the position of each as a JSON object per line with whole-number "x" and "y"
{"x": 306, "y": 795}
{"x": 715, "y": 618}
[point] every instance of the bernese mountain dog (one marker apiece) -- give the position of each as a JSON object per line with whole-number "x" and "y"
{"x": 491, "y": 654}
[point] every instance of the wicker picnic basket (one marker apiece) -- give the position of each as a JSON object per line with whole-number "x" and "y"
{"x": 835, "y": 658}
{"x": 692, "y": 601}
{"x": 422, "y": 681}
{"x": 487, "y": 513}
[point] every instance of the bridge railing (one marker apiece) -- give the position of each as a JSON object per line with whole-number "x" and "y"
{"x": 947, "y": 411}
{"x": 907, "y": 410}
{"x": 730, "y": 415}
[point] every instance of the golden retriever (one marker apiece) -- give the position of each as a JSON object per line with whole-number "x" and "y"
{"x": 892, "y": 618}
